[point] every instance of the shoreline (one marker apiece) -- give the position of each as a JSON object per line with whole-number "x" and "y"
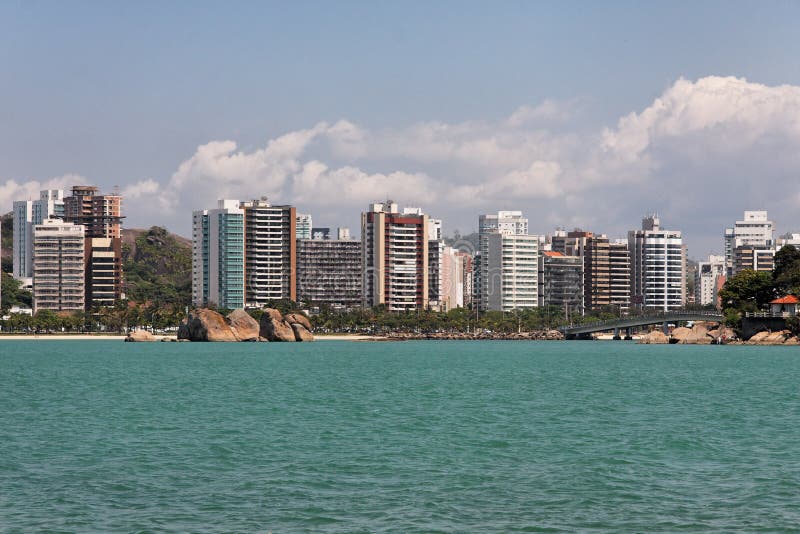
{"x": 62, "y": 337}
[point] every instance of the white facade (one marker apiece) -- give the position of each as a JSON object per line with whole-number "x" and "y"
{"x": 658, "y": 266}
{"x": 27, "y": 214}
{"x": 58, "y": 266}
{"x": 755, "y": 229}
{"x": 505, "y": 222}
{"x": 788, "y": 239}
{"x": 434, "y": 229}
{"x": 707, "y": 278}
{"x": 343, "y": 234}
{"x": 509, "y": 263}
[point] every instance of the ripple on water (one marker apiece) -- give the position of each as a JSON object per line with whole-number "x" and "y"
{"x": 387, "y": 437}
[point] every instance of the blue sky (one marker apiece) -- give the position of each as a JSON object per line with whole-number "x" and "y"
{"x": 125, "y": 93}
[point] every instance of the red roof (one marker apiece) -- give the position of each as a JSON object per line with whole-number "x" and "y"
{"x": 788, "y": 299}
{"x": 552, "y": 254}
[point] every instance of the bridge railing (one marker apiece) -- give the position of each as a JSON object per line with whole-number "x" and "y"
{"x": 766, "y": 314}
{"x": 646, "y": 316}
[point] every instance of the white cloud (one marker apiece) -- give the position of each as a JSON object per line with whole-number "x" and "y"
{"x": 12, "y": 190}
{"x": 702, "y": 151}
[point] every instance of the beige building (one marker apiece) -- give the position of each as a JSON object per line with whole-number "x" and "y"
{"x": 58, "y": 266}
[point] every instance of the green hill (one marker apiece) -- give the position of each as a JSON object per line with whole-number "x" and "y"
{"x": 157, "y": 266}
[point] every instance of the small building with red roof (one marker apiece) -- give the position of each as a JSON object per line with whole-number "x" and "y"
{"x": 784, "y": 306}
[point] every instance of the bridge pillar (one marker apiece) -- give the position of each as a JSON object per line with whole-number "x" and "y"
{"x": 616, "y": 334}
{"x": 628, "y": 335}
{"x": 665, "y": 328}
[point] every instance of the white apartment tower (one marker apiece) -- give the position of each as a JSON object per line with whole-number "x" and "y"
{"x": 509, "y": 262}
{"x": 395, "y": 257}
{"x": 754, "y": 230}
{"x": 27, "y": 214}
{"x": 658, "y": 266}
{"x": 58, "y": 266}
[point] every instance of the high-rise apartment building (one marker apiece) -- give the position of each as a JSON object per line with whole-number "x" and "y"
{"x": 270, "y": 252}
{"x": 103, "y": 270}
{"x": 561, "y": 282}
{"x": 218, "y": 256}
{"x": 619, "y": 275}
{"x": 509, "y": 262}
{"x": 436, "y": 248}
{"x": 754, "y": 258}
{"x": 707, "y": 278}
{"x": 658, "y": 266}
{"x": 395, "y": 257}
{"x": 58, "y": 266}
{"x": 329, "y": 272}
{"x": 606, "y": 268}
{"x": 101, "y": 217}
{"x": 27, "y": 214}
{"x": 505, "y": 222}
{"x": 468, "y": 277}
{"x": 453, "y": 274}
{"x": 754, "y": 230}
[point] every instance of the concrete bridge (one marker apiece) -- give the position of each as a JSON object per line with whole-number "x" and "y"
{"x": 585, "y": 330}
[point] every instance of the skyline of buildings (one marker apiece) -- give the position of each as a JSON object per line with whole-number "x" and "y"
{"x": 246, "y": 254}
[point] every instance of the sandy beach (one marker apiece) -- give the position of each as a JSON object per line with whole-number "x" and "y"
{"x": 60, "y": 337}
{"x": 346, "y": 337}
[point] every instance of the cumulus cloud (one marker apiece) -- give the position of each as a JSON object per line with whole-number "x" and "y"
{"x": 11, "y": 190}
{"x": 700, "y": 153}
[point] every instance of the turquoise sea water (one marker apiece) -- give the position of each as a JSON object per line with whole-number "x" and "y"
{"x": 402, "y": 437}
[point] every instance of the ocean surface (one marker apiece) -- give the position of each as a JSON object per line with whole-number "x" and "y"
{"x": 421, "y": 436}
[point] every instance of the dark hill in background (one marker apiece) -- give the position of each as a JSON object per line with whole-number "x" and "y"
{"x": 157, "y": 265}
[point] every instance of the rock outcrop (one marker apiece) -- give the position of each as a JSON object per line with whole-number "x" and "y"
{"x": 274, "y": 328}
{"x": 139, "y": 336}
{"x": 301, "y": 333}
{"x": 244, "y": 327}
{"x": 206, "y": 325}
{"x": 656, "y": 337}
{"x": 298, "y": 318}
{"x": 771, "y": 338}
{"x": 697, "y": 335}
